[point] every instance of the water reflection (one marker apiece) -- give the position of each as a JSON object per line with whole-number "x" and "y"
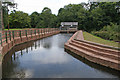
{"x": 46, "y": 59}
{"x": 94, "y": 65}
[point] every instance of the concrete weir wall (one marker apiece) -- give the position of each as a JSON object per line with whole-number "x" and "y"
{"x": 13, "y": 38}
{"x": 94, "y": 52}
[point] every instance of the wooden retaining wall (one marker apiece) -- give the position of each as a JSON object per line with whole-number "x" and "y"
{"x": 97, "y": 53}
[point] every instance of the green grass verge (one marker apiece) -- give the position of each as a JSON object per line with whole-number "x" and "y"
{"x": 92, "y": 38}
{"x": 16, "y": 29}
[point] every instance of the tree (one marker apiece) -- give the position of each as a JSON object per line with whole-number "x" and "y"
{"x": 19, "y": 19}
{"x": 73, "y": 13}
{"x": 34, "y": 19}
{"x": 46, "y": 19}
{"x": 6, "y": 5}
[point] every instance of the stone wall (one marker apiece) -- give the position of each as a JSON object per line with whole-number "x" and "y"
{"x": 94, "y": 52}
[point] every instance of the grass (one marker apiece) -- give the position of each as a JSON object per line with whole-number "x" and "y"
{"x": 92, "y": 38}
{"x": 16, "y": 29}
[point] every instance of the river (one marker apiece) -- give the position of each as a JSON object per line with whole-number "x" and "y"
{"x": 46, "y": 58}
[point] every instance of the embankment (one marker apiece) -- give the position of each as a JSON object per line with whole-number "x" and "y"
{"x": 94, "y": 52}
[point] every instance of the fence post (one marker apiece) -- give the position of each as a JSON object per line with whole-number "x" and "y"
{"x": 1, "y": 38}
{"x": 20, "y": 34}
{"x": 13, "y": 34}
{"x": 1, "y": 41}
{"x": 26, "y": 32}
{"x": 31, "y": 33}
{"x": 6, "y": 36}
{"x": 38, "y": 32}
{"x": 47, "y": 30}
{"x": 43, "y": 31}
{"x": 10, "y": 35}
{"x": 35, "y": 32}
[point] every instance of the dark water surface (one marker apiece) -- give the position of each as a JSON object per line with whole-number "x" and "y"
{"x": 46, "y": 58}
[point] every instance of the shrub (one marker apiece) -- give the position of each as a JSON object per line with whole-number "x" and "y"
{"x": 110, "y": 32}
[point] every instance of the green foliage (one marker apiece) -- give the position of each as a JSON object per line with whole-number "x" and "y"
{"x": 46, "y": 19}
{"x": 99, "y": 15}
{"x": 34, "y": 19}
{"x": 19, "y": 19}
{"x": 109, "y": 32}
{"x": 91, "y": 17}
{"x": 5, "y": 16}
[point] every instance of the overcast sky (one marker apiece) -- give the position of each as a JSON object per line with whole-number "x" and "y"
{"x": 30, "y": 6}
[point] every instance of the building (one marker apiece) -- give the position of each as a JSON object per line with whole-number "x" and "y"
{"x": 69, "y": 26}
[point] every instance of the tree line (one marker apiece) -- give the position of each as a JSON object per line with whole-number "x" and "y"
{"x": 91, "y": 17}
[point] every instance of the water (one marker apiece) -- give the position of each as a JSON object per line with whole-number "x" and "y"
{"x": 46, "y": 58}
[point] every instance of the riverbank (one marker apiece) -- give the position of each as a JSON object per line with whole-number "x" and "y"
{"x": 101, "y": 54}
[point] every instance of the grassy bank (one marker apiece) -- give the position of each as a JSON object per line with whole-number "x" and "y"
{"x": 90, "y": 37}
{"x": 17, "y": 29}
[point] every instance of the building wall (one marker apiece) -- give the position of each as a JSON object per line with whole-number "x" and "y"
{"x": 69, "y": 27}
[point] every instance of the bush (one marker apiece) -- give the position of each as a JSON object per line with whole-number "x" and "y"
{"x": 110, "y": 32}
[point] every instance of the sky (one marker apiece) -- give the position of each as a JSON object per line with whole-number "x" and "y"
{"x": 30, "y": 6}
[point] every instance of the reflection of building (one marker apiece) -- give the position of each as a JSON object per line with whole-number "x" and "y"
{"x": 69, "y": 26}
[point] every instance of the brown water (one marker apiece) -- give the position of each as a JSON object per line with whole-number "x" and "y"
{"x": 46, "y": 58}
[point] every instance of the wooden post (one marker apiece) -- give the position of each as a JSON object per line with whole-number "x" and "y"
{"x": 44, "y": 31}
{"x": 13, "y": 34}
{"x": 1, "y": 38}
{"x": 35, "y": 31}
{"x": 38, "y": 32}
{"x": 20, "y": 34}
{"x": 26, "y": 32}
{"x": 31, "y": 33}
{"x": 6, "y": 36}
{"x": 10, "y": 35}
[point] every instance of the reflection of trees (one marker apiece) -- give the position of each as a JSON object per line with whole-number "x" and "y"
{"x": 20, "y": 47}
{"x": 9, "y": 68}
{"x": 93, "y": 65}
{"x": 10, "y": 62}
{"x": 63, "y": 39}
{"x": 46, "y": 43}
